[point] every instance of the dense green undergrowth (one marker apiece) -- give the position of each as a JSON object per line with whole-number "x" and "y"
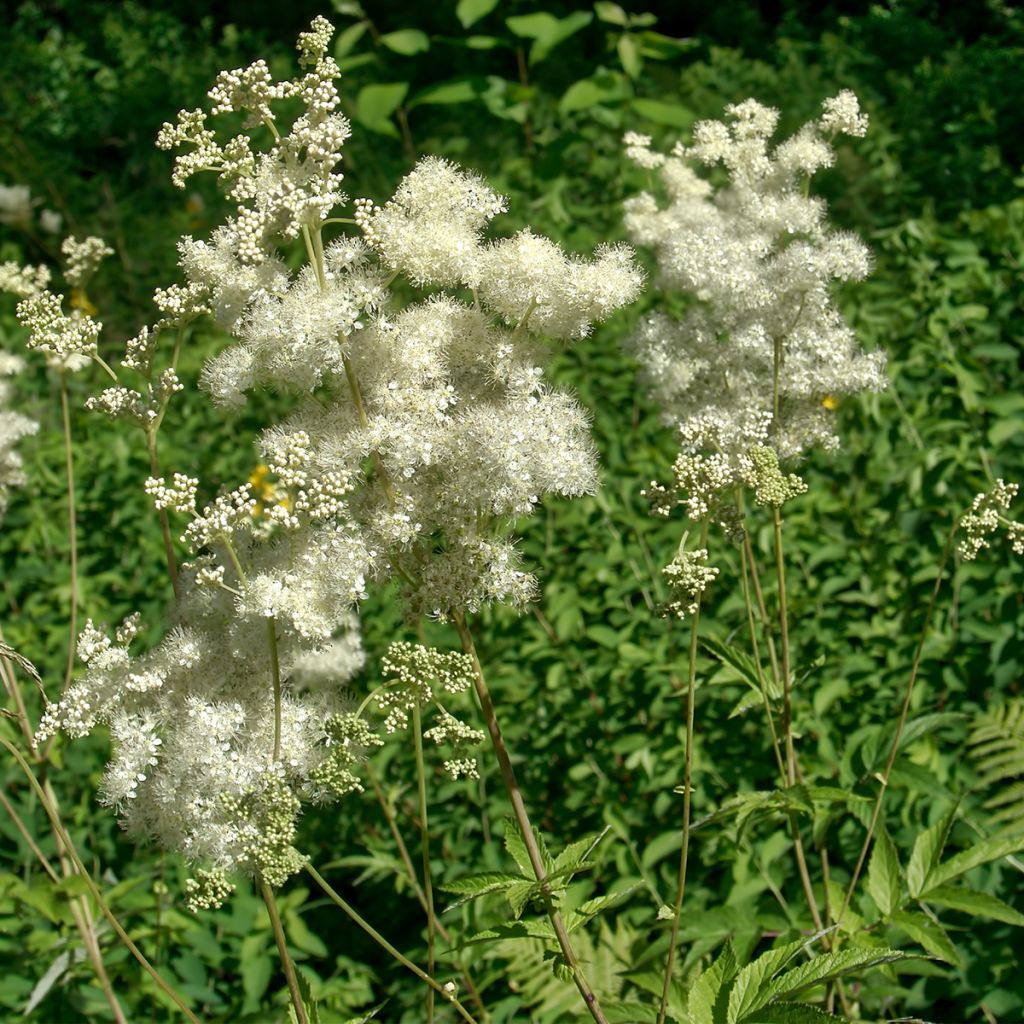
{"x": 596, "y": 675}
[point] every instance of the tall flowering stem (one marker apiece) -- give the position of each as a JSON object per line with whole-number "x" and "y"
{"x": 901, "y": 723}
{"x": 165, "y": 526}
{"x": 65, "y": 839}
{"x": 282, "y": 949}
{"x": 69, "y": 470}
{"x": 691, "y": 683}
{"x": 523, "y": 818}
{"x": 345, "y": 906}
{"x": 428, "y": 888}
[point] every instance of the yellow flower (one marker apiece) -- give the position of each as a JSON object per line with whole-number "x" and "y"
{"x": 830, "y": 402}
{"x": 80, "y": 301}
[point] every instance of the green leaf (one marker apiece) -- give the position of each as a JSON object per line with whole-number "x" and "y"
{"x": 576, "y": 853}
{"x": 348, "y": 38}
{"x": 985, "y": 851}
{"x": 611, "y": 13}
{"x": 736, "y": 659}
{"x": 659, "y": 112}
{"x": 829, "y": 966}
{"x": 376, "y": 103}
{"x": 473, "y": 887}
{"x": 469, "y": 12}
{"x": 629, "y": 55}
{"x": 926, "y": 853}
{"x": 546, "y": 30}
{"x": 796, "y": 1013}
{"x": 708, "y": 995}
{"x": 463, "y": 90}
{"x": 591, "y": 908}
{"x": 406, "y": 41}
{"x": 884, "y": 874}
{"x": 928, "y": 934}
{"x": 970, "y": 901}
{"x": 580, "y": 95}
{"x": 747, "y": 993}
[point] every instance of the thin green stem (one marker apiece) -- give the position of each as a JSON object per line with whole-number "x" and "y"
{"x": 165, "y": 524}
{"x": 787, "y": 681}
{"x": 523, "y": 820}
{"x": 901, "y": 723}
{"x": 428, "y": 889}
{"x": 684, "y": 855}
{"x": 410, "y": 870}
{"x": 282, "y": 948}
{"x": 762, "y": 682}
{"x": 385, "y": 945}
{"x": 69, "y": 470}
{"x": 275, "y": 675}
{"x": 72, "y": 853}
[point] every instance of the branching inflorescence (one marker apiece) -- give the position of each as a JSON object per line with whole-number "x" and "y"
{"x": 425, "y": 430}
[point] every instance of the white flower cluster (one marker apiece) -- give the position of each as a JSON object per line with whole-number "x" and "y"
{"x": 426, "y": 430}
{"x": 68, "y": 341}
{"x": 985, "y": 518}
{"x": 82, "y": 258}
{"x": 17, "y": 205}
{"x": 763, "y": 354}
{"x": 13, "y": 427}
{"x": 192, "y": 725}
{"x": 443, "y": 401}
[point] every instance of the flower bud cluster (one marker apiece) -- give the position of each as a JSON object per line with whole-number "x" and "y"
{"x": 688, "y": 576}
{"x": 82, "y": 258}
{"x": 67, "y": 341}
{"x": 986, "y": 517}
{"x": 416, "y": 675}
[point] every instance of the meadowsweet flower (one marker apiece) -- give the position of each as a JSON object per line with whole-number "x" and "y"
{"x": 23, "y": 281}
{"x": 688, "y": 576}
{"x": 15, "y": 204}
{"x": 986, "y": 517}
{"x": 762, "y": 355}
{"x": 67, "y": 341}
{"x": 82, "y": 258}
{"x": 13, "y": 427}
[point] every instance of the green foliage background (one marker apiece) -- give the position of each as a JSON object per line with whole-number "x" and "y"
{"x": 591, "y": 683}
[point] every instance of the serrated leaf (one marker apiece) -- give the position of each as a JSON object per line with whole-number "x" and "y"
{"x": 577, "y": 853}
{"x": 796, "y": 1013}
{"x": 747, "y": 991}
{"x": 589, "y": 909}
{"x": 928, "y": 934}
{"x": 736, "y": 658}
{"x": 406, "y": 41}
{"x": 519, "y": 895}
{"x": 710, "y": 990}
{"x": 970, "y": 901}
{"x": 473, "y": 887}
{"x": 884, "y": 874}
{"x": 927, "y": 850}
{"x": 981, "y": 853}
{"x": 829, "y": 966}
{"x": 469, "y": 12}
{"x": 516, "y": 847}
{"x": 525, "y": 928}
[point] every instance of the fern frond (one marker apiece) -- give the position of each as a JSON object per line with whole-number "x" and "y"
{"x": 996, "y": 745}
